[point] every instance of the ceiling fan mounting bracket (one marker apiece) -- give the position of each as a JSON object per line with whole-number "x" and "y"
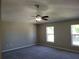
{"x": 37, "y": 5}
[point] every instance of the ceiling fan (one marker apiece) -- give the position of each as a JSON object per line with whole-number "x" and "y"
{"x": 38, "y": 17}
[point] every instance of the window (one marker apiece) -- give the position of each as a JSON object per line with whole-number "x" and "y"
{"x": 50, "y": 34}
{"x": 75, "y": 34}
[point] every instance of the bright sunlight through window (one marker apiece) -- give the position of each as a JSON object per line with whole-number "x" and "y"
{"x": 75, "y": 34}
{"x": 50, "y": 33}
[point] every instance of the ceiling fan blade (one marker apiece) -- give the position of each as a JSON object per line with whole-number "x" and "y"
{"x": 45, "y": 17}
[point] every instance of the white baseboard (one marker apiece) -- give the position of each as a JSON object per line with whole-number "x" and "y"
{"x": 65, "y": 49}
{"x": 60, "y": 48}
{"x": 17, "y": 48}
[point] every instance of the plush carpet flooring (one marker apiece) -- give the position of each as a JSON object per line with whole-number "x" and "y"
{"x": 39, "y": 52}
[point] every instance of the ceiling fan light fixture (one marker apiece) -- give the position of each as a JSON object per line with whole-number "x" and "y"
{"x": 38, "y": 18}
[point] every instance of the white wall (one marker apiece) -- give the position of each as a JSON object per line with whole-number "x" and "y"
{"x": 18, "y": 34}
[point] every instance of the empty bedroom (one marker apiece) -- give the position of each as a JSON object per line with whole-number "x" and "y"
{"x": 39, "y": 29}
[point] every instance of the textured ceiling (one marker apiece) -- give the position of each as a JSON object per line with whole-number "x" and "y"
{"x": 23, "y": 10}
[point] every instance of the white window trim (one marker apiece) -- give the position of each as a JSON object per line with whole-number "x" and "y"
{"x": 49, "y": 34}
{"x": 72, "y": 35}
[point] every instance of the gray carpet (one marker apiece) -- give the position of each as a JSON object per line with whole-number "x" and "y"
{"x": 39, "y": 52}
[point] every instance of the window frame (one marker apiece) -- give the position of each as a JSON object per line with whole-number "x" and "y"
{"x": 47, "y": 34}
{"x": 72, "y": 35}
